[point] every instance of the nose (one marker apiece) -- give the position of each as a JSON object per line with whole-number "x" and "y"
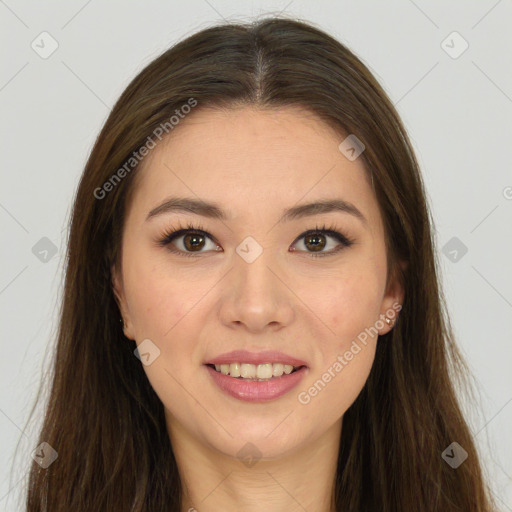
{"x": 256, "y": 296}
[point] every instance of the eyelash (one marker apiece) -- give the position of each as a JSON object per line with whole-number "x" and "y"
{"x": 180, "y": 230}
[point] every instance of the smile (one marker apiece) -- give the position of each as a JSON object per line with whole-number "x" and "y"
{"x": 252, "y": 388}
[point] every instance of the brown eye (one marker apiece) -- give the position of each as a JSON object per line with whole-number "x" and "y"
{"x": 193, "y": 241}
{"x": 188, "y": 242}
{"x": 315, "y": 242}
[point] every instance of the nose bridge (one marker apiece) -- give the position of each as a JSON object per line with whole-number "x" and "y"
{"x": 255, "y": 276}
{"x": 255, "y": 296}
{"x": 255, "y": 283}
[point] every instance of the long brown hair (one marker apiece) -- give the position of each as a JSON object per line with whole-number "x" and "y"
{"x": 103, "y": 417}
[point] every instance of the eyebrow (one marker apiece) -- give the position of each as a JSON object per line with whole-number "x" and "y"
{"x": 214, "y": 211}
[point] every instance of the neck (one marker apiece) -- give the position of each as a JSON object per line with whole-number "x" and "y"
{"x": 303, "y": 479}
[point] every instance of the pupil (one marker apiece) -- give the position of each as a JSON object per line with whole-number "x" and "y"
{"x": 317, "y": 246}
{"x": 193, "y": 240}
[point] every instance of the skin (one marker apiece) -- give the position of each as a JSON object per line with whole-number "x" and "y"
{"x": 254, "y": 163}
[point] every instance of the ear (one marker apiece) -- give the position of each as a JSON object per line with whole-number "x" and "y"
{"x": 118, "y": 289}
{"x": 393, "y": 300}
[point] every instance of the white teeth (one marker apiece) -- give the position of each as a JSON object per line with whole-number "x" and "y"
{"x": 248, "y": 371}
{"x": 252, "y": 371}
{"x": 234, "y": 369}
{"x": 278, "y": 369}
{"x": 264, "y": 371}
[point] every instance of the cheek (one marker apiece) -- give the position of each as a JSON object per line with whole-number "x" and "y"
{"x": 163, "y": 306}
{"x": 335, "y": 384}
{"x": 349, "y": 303}
{"x": 159, "y": 295}
{"x": 350, "y": 376}
{"x": 347, "y": 358}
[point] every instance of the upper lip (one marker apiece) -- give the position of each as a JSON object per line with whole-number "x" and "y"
{"x": 243, "y": 356}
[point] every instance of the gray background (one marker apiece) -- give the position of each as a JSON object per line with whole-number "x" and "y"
{"x": 457, "y": 109}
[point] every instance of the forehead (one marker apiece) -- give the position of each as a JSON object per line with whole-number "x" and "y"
{"x": 253, "y": 162}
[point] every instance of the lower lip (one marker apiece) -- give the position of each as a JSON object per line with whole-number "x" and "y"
{"x": 257, "y": 391}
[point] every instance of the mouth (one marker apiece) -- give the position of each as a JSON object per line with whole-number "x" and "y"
{"x": 256, "y": 376}
{"x": 255, "y": 383}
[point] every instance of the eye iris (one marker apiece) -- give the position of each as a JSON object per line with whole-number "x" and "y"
{"x": 317, "y": 246}
{"x": 193, "y": 241}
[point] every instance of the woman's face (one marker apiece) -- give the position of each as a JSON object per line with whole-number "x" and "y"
{"x": 252, "y": 280}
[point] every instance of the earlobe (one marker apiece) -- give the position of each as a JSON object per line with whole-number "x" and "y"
{"x": 388, "y": 318}
{"x": 393, "y": 302}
